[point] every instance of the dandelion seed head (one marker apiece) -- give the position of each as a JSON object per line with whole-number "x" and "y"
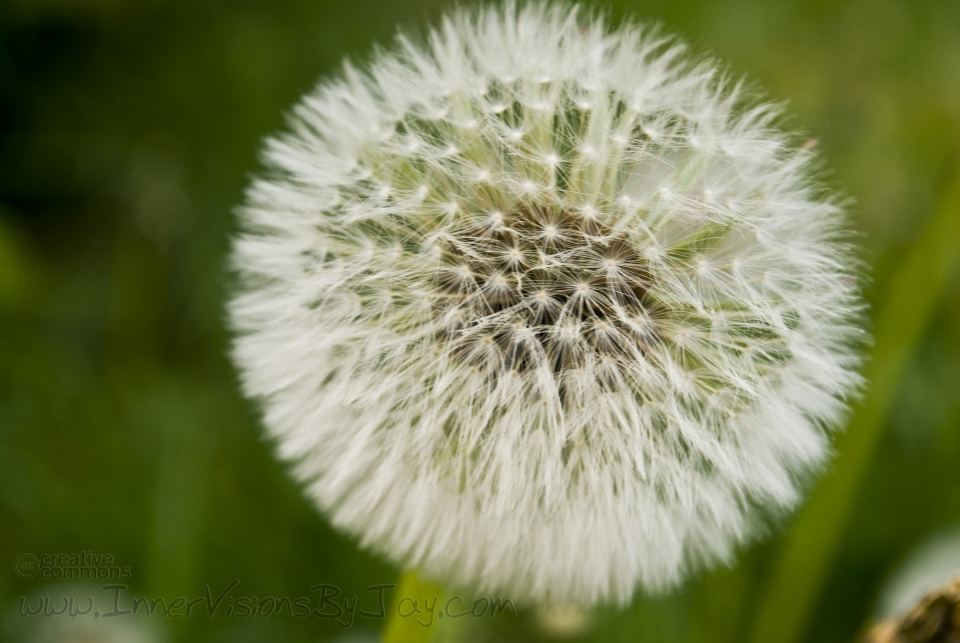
{"x": 508, "y": 335}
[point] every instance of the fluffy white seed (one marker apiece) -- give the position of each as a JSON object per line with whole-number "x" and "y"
{"x": 542, "y": 309}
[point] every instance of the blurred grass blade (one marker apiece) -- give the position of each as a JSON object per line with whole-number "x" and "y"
{"x": 812, "y": 542}
{"x": 413, "y": 615}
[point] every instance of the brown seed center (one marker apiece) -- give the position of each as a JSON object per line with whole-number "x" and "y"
{"x": 536, "y": 288}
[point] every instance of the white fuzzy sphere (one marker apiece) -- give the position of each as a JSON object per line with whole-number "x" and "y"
{"x": 545, "y": 309}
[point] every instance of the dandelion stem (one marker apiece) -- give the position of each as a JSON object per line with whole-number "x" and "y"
{"x": 817, "y": 533}
{"x": 413, "y": 615}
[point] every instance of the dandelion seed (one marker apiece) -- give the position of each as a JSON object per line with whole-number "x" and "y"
{"x": 546, "y": 406}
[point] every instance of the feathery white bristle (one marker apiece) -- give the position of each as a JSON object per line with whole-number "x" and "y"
{"x": 545, "y": 309}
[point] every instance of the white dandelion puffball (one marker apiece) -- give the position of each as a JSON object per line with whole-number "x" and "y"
{"x": 541, "y": 308}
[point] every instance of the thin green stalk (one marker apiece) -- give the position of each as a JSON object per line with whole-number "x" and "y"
{"x": 811, "y": 545}
{"x": 413, "y": 615}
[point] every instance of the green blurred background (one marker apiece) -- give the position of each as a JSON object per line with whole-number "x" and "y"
{"x": 128, "y": 130}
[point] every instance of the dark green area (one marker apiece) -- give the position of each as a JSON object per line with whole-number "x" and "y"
{"x": 128, "y": 131}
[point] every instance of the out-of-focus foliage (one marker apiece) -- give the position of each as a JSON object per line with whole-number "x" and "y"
{"x": 127, "y": 133}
